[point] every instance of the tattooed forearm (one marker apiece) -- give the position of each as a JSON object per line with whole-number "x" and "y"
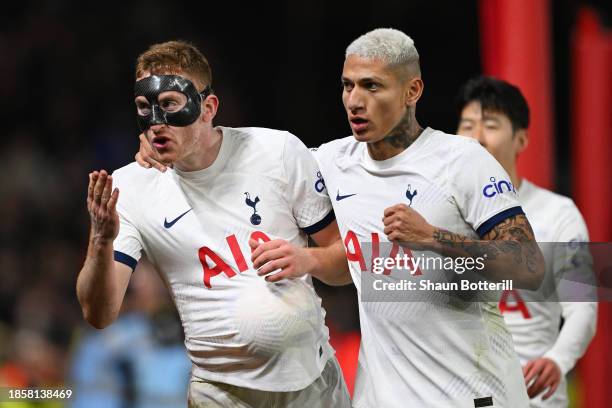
{"x": 511, "y": 241}
{"x": 451, "y": 240}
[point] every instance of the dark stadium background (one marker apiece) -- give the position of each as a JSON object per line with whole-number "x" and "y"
{"x": 66, "y": 89}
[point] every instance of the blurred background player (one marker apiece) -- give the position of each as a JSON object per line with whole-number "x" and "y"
{"x": 140, "y": 360}
{"x": 496, "y": 114}
{"x": 252, "y": 342}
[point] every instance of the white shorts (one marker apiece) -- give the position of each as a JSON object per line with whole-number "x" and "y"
{"x": 329, "y": 390}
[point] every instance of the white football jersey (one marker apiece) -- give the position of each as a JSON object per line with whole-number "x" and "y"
{"x": 195, "y": 228}
{"x": 425, "y": 354}
{"x": 534, "y": 319}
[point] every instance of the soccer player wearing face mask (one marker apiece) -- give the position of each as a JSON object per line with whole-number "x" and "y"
{"x": 253, "y": 343}
{"x": 393, "y": 182}
{"x": 496, "y": 114}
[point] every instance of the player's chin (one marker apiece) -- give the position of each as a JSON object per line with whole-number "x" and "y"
{"x": 367, "y": 136}
{"x": 167, "y": 156}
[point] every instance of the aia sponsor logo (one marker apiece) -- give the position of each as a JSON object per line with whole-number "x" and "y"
{"x": 214, "y": 263}
{"x": 355, "y": 253}
{"x": 512, "y": 301}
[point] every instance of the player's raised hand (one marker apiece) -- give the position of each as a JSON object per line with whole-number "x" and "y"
{"x": 279, "y": 260}
{"x": 544, "y": 373}
{"x": 147, "y": 156}
{"x": 101, "y": 204}
{"x": 403, "y": 224}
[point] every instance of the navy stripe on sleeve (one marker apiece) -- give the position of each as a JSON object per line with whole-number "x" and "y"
{"x": 125, "y": 259}
{"x": 489, "y": 224}
{"x": 313, "y": 229}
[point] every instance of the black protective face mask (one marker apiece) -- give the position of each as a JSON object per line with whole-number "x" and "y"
{"x": 151, "y": 87}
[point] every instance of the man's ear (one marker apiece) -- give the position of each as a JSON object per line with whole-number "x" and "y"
{"x": 414, "y": 90}
{"x": 521, "y": 141}
{"x": 209, "y": 108}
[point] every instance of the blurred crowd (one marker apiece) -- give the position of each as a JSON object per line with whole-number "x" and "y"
{"x": 65, "y": 112}
{"x": 43, "y": 173}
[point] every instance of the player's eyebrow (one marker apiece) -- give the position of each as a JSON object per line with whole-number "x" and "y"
{"x": 491, "y": 116}
{"x": 466, "y": 120}
{"x": 363, "y": 80}
{"x": 370, "y": 79}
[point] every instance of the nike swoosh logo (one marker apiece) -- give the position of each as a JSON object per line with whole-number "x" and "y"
{"x": 171, "y": 223}
{"x": 342, "y": 197}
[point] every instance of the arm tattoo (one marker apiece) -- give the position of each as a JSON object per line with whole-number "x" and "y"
{"x": 513, "y": 237}
{"x": 516, "y": 236}
{"x": 515, "y": 228}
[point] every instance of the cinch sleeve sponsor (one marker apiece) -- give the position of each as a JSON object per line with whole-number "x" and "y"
{"x": 482, "y": 189}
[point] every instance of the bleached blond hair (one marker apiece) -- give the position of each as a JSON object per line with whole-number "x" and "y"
{"x": 389, "y": 45}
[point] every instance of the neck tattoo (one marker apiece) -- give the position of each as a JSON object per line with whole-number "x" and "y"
{"x": 405, "y": 132}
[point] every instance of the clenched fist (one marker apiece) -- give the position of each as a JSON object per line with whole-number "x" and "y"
{"x": 403, "y": 224}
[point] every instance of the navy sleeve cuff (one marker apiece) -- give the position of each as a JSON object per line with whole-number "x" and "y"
{"x": 489, "y": 224}
{"x": 313, "y": 229}
{"x": 125, "y": 259}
